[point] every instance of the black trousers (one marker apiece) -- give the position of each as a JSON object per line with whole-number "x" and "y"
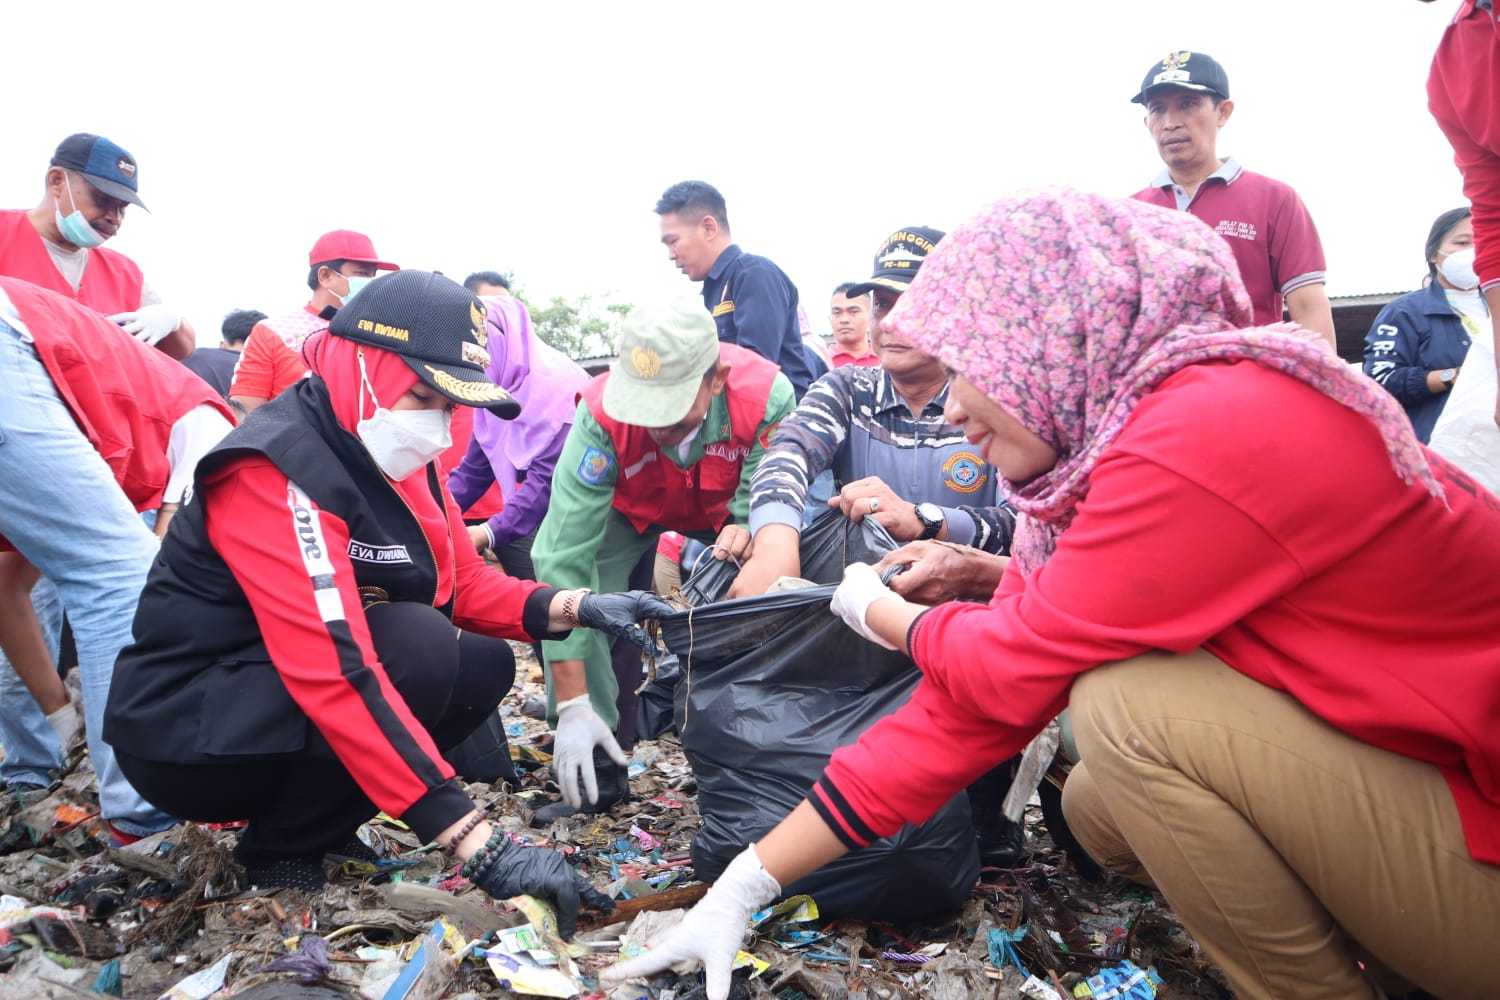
{"x": 307, "y": 802}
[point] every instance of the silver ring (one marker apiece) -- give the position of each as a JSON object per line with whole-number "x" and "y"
{"x": 874, "y": 505}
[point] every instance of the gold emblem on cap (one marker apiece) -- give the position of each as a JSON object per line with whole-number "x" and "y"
{"x": 475, "y": 355}
{"x": 473, "y": 392}
{"x": 645, "y": 361}
{"x": 476, "y": 319}
{"x": 1175, "y": 60}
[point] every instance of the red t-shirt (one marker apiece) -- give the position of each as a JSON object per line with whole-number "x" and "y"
{"x": 1461, "y": 92}
{"x": 866, "y": 360}
{"x": 272, "y": 358}
{"x": 1246, "y": 513}
{"x": 1273, "y": 237}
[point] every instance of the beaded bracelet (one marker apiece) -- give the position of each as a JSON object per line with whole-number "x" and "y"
{"x": 475, "y": 818}
{"x": 477, "y": 860}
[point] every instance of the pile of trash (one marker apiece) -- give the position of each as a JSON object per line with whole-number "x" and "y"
{"x": 172, "y": 917}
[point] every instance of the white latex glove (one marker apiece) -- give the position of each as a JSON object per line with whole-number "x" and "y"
{"x": 710, "y": 932}
{"x": 579, "y": 731}
{"x": 851, "y": 601}
{"x": 148, "y": 324}
{"x": 65, "y": 723}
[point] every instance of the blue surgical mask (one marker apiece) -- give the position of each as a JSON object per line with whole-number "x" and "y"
{"x": 356, "y": 282}
{"x": 73, "y": 226}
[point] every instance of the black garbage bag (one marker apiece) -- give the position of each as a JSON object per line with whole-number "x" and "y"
{"x": 770, "y": 687}
{"x": 654, "y": 707}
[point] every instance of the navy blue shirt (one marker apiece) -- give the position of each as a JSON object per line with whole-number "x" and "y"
{"x": 214, "y": 365}
{"x": 754, "y": 305}
{"x": 1413, "y": 335}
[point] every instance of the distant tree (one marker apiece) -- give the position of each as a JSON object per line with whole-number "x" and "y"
{"x": 579, "y": 327}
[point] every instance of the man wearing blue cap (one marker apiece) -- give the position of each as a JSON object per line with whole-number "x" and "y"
{"x": 1275, "y": 244}
{"x": 59, "y": 243}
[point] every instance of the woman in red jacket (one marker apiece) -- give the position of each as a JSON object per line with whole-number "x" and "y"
{"x": 313, "y": 637}
{"x": 1272, "y": 613}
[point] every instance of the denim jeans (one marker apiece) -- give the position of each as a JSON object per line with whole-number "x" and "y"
{"x": 62, "y": 509}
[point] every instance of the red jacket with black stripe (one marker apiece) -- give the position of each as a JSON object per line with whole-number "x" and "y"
{"x": 251, "y": 626}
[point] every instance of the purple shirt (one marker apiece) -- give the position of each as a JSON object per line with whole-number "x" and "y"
{"x": 519, "y": 454}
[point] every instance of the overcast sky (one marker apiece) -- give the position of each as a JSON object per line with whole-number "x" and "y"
{"x": 536, "y": 138}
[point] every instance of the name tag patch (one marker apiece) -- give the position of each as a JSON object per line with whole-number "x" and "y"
{"x": 379, "y": 554}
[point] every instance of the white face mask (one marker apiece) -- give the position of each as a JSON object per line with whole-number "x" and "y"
{"x": 1458, "y": 268}
{"x": 402, "y": 442}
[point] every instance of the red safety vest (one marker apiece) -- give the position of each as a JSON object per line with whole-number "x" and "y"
{"x": 124, "y": 395}
{"x": 651, "y": 489}
{"x": 111, "y": 282}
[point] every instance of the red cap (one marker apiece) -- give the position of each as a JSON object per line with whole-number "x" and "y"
{"x": 346, "y": 244}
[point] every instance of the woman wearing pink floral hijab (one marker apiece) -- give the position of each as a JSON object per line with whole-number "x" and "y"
{"x": 1272, "y": 613}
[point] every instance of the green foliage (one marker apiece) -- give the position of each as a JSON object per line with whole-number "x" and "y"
{"x": 581, "y": 327}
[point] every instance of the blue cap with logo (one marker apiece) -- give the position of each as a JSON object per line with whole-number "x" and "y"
{"x": 102, "y": 163}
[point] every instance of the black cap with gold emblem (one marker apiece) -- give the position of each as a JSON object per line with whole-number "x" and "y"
{"x": 438, "y": 328}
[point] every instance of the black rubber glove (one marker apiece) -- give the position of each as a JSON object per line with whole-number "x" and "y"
{"x": 619, "y": 615}
{"x": 514, "y": 869}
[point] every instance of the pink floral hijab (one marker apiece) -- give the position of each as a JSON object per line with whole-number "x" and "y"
{"x": 1068, "y": 308}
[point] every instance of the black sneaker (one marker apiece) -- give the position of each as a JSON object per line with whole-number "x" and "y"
{"x": 354, "y": 850}
{"x": 302, "y": 873}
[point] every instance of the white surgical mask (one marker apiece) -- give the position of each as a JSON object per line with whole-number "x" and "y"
{"x": 1458, "y": 268}
{"x": 402, "y": 442}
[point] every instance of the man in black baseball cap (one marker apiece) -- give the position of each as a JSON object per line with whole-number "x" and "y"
{"x": 59, "y": 243}
{"x": 1186, "y": 96}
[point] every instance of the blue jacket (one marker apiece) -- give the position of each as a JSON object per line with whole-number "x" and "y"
{"x": 1413, "y": 335}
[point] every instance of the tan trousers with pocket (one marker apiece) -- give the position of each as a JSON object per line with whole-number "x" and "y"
{"x": 1291, "y": 851}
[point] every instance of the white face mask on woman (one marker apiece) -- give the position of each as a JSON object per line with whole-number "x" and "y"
{"x": 1458, "y": 268}
{"x": 402, "y": 441}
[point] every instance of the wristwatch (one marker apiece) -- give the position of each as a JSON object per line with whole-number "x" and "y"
{"x": 1447, "y": 375}
{"x": 932, "y": 518}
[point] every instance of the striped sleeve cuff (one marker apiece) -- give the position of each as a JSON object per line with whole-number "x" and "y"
{"x": 834, "y": 809}
{"x": 1302, "y": 281}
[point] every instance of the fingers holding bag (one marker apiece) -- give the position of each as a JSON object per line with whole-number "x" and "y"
{"x": 620, "y": 615}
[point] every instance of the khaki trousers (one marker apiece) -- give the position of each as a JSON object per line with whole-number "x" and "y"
{"x": 1291, "y": 851}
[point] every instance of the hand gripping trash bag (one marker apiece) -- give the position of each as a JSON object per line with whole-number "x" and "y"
{"x": 770, "y": 687}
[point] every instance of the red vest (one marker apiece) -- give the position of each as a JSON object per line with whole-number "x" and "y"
{"x": 111, "y": 282}
{"x": 125, "y": 396}
{"x": 651, "y": 489}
